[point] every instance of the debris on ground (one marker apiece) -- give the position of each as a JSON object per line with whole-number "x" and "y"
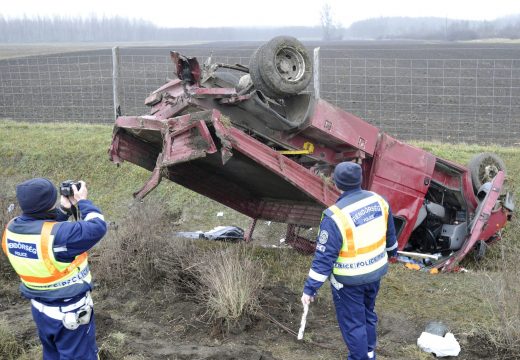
{"x": 412, "y": 266}
{"x": 436, "y": 339}
{"x": 423, "y": 262}
{"x": 225, "y": 233}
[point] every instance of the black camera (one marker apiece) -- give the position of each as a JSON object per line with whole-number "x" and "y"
{"x": 66, "y": 187}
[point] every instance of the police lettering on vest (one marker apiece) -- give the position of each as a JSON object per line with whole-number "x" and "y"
{"x": 363, "y": 227}
{"x": 32, "y": 257}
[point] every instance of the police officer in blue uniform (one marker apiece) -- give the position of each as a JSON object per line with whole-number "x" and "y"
{"x": 356, "y": 238}
{"x": 49, "y": 254}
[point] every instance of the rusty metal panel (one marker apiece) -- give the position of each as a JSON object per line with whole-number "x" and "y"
{"x": 139, "y": 123}
{"x": 203, "y": 181}
{"x": 187, "y": 141}
{"x": 129, "y": 148}
{"x": 408, "y": 167}
{"x": 290, "y": 212}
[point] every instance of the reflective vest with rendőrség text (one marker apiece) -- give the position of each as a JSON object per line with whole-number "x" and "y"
{"x": 363, "y": 225}
{"x": 32, "y": 257}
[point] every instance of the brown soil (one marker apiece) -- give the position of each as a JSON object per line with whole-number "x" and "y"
{"x": 132, "y": 324}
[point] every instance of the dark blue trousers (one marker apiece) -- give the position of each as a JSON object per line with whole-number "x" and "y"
{"x": 60, "y": 343}
{"x": 357, "y": 319}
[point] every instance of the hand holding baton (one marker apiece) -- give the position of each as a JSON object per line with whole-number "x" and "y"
{"x": 304, "y": 320}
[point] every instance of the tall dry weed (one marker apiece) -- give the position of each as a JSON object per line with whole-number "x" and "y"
{"x": 133, "y": 248}
{"x": 224, "y": 279}
{"x": 230, "y": 282}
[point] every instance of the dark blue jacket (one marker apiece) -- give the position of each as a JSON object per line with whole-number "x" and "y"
{"x": 327, "y": 252}
{"x": 70, "y": 239}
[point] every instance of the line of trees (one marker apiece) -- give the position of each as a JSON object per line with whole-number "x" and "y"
{"x": 435, "y": 28}
{"x": 59, "y": 29}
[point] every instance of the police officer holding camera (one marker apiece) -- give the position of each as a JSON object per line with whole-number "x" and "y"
{"x": 49, "y": 254}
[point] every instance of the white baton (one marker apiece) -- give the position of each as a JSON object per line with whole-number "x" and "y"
{"x": 304, "y": 320}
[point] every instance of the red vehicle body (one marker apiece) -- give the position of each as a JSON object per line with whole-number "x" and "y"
{"x": 272, "y": 159}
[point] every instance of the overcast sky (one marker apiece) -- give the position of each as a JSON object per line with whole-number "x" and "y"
{"x": 210, "y": 13}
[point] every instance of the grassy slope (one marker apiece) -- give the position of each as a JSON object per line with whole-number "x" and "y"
{"x": 66, "y": 151}
{"x": 69, "y": 151}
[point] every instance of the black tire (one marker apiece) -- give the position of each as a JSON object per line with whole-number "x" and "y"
{"x": 484, "y": 167}
{"x": 257, "y": 79}
{"x": 281, "y": 68}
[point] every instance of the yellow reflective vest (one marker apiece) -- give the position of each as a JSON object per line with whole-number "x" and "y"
{"x": 32, "y": 257}
{"x": 363, "y": 226}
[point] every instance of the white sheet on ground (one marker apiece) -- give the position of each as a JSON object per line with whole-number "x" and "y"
{"x": 438, "y": 345}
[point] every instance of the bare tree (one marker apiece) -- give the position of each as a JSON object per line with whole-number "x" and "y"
{"x": 331, "y": 29}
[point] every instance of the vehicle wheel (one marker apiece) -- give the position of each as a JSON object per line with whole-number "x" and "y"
{"x": 282, "y": 67}
{"x": 257, "y": 79}
{"x": 484, "y": 167}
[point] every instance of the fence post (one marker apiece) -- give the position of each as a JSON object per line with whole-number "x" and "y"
{"x": 115, "y": 81}
{"x": 316, "y": 73}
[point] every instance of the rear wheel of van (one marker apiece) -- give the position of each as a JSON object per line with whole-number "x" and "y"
{"x": 484, "y": 167}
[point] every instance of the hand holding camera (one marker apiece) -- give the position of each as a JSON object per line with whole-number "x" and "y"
{"x": 71, "y": 192}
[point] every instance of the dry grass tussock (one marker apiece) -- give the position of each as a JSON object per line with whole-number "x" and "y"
{"x": 10, "y": 346}
{"x": 231, "y": 281}
{"x": 224, "y": 279}
{"x": 502, "y": 290}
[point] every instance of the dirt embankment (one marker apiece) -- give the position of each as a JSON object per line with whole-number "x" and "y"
{"x": 134, "y": 325}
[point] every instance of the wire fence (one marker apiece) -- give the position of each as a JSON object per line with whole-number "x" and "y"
{"x": 450, "y": 100}
{"x": 64, "y": 88}
{"x": 470, "y": 100}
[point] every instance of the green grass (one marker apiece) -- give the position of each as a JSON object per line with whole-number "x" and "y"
{"x": 73, "y": 151}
